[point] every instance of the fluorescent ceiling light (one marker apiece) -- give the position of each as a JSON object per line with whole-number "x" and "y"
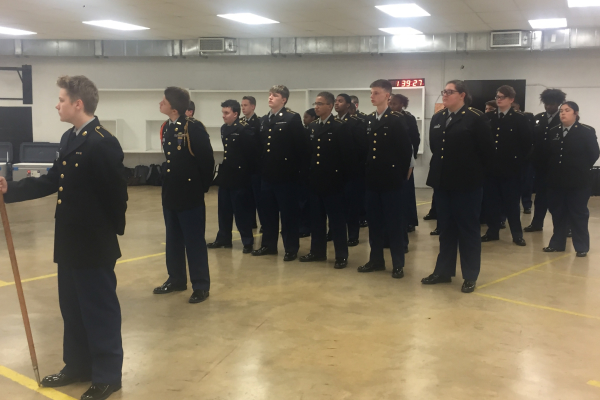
{"x": 248, "y": 18}
{"x": 401, "y": 31}
{"x": 548, "y": 23}
{"x": 121, "y": 26}
{"x": 403, "y": 10}
{"x": 584, "y": 3}
{"x": 16, "y": 32}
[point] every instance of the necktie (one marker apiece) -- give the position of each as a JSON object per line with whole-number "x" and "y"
{"x": 449, "y": 118}
{"x": 271, "y": 117}
{"x": 565, "y": 132}
{"x": 72, "y": 137}
{"x": 501, "y": 115}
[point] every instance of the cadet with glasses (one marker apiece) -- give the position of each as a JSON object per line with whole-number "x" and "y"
{"x": 502, "y": 190}
{"x": 570, "y": 153}
{"x": 327, "y": 179}
{"x": 461, "y": 144}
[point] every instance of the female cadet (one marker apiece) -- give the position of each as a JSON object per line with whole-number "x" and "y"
{"x": 570, "y": 153}
{"x": 461, "y": 141}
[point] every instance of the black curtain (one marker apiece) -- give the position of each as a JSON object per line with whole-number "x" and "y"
{"x": 16, "y": 127}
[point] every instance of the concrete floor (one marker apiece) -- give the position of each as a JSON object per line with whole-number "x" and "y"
{"x": 287, "y": 331}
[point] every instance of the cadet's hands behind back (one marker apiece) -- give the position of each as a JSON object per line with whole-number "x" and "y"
{"x": 3, "y": 185}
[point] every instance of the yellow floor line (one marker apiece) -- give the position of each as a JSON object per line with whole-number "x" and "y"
{"x": 37, "y": 278}
{"x": 569, "y": 275}
{"x": 32, "y": 385}
{"x": 523, "y": 271}
{"x": 422, "y": 204}
{"x": 522, "y": 303}
{"x": 594, "y": 383}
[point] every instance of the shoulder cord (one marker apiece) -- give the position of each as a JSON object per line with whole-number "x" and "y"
{"x": 186, "y": 135}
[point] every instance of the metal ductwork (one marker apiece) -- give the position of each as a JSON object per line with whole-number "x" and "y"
{"x": 554, "y": 39}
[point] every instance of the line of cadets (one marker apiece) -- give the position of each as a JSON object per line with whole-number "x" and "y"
{"x": 358, "y": 164}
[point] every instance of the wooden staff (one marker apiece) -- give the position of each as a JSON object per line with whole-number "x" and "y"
{"x": 15, "y": 268}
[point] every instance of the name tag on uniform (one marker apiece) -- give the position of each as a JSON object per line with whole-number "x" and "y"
{"x": 557, "y": 137}
{"x": 437, "y": 126}
{"x": 234, "y": 134}
{"x": 330, "y": 133}
{"x": 277, "y": 123}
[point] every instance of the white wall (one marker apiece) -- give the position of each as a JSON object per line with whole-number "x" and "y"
{"x": 577, "y": 72}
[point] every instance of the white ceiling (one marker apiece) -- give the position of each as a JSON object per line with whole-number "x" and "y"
{"x": 185, "y": 19}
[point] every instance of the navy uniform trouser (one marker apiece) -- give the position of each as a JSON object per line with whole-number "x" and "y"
{"x": 362, "y": 198}
{"x": 185, "y": 235}
{"x": 458, "y": 221}
{"x": 385, "y": 215}
{"x": 92, "y": 346}
{"x": 256, "y": 182}
{"x": 332, "y": 207}
{"x": 238, "y": 203}
{"x": 304, "y": 203}
{"x": 541, "y": 199}
{"x": 527, "y": 179}
{"x": 501, "y": 196}
{"x": 280, "y": 198}
{"x": 569, "y": 210}
{"x": 411, "y": 201}
{"x": 354, "y": 199}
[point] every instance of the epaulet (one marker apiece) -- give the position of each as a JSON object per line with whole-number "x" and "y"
{"x": 586, "y": 126}
{"x": 290, "y": 111}
{"x": 100, "y": 127}
{"x": 195, "y": 121}
{"x": 476, "y": 111}
{"x": 243, "y": 122}
{"x": 407, "y": 113}
{"x": 373, "y": 113}
{"x": 396, "y": 113}
{"x": 519, "y": 112}
{"x": 439, "y": 111}
{"x": 355, "y": 117}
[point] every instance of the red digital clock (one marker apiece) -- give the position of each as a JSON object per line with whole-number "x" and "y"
{"x": 405, "y": 83}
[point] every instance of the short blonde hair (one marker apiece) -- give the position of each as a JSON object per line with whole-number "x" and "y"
{"x": 80, "y": 88}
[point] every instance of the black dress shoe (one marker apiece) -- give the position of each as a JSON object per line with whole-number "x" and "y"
{"x": 570, "y": 233}
{"x": 340, "y": 263}
{"x": 434, "y": 279}
{"x": 435, "y": 232}
{"x": 429, "y": 217}
{"x": 398, "y": 273}
{"x": 329, "y": 237}
{"x": 261, "y": 230}
{"x": 263, "y": 251}
{"x": 169, "y": 287}
{"x": 100, "y": 391}
{"x": 304, "y": 235}
{"x": 488, "y": 238}
{"x": 60, "y": 379}
{"x": 411, "y": 228}
{"x": 219, "y": 245}
{"x": 371, "y": 267}
{"x": 290, "y": 256}
{"x": 532, "y": 228}
{"x": 363, "y": 224}
{"x": 352, "y": 243}
{"x": 502, "y": 225}
{"x": 248, "y": 249}
{"x": 527, "y": 211}
{"x": 519, "y": 242}
{"x": 199, "y": 296}
{"x": 581, "y": 254}
{"x": 468, "y": 286}
{"x": 551, "y": 250}
{"x": 406, "y": 250}
{"x": 310, "y": 257}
